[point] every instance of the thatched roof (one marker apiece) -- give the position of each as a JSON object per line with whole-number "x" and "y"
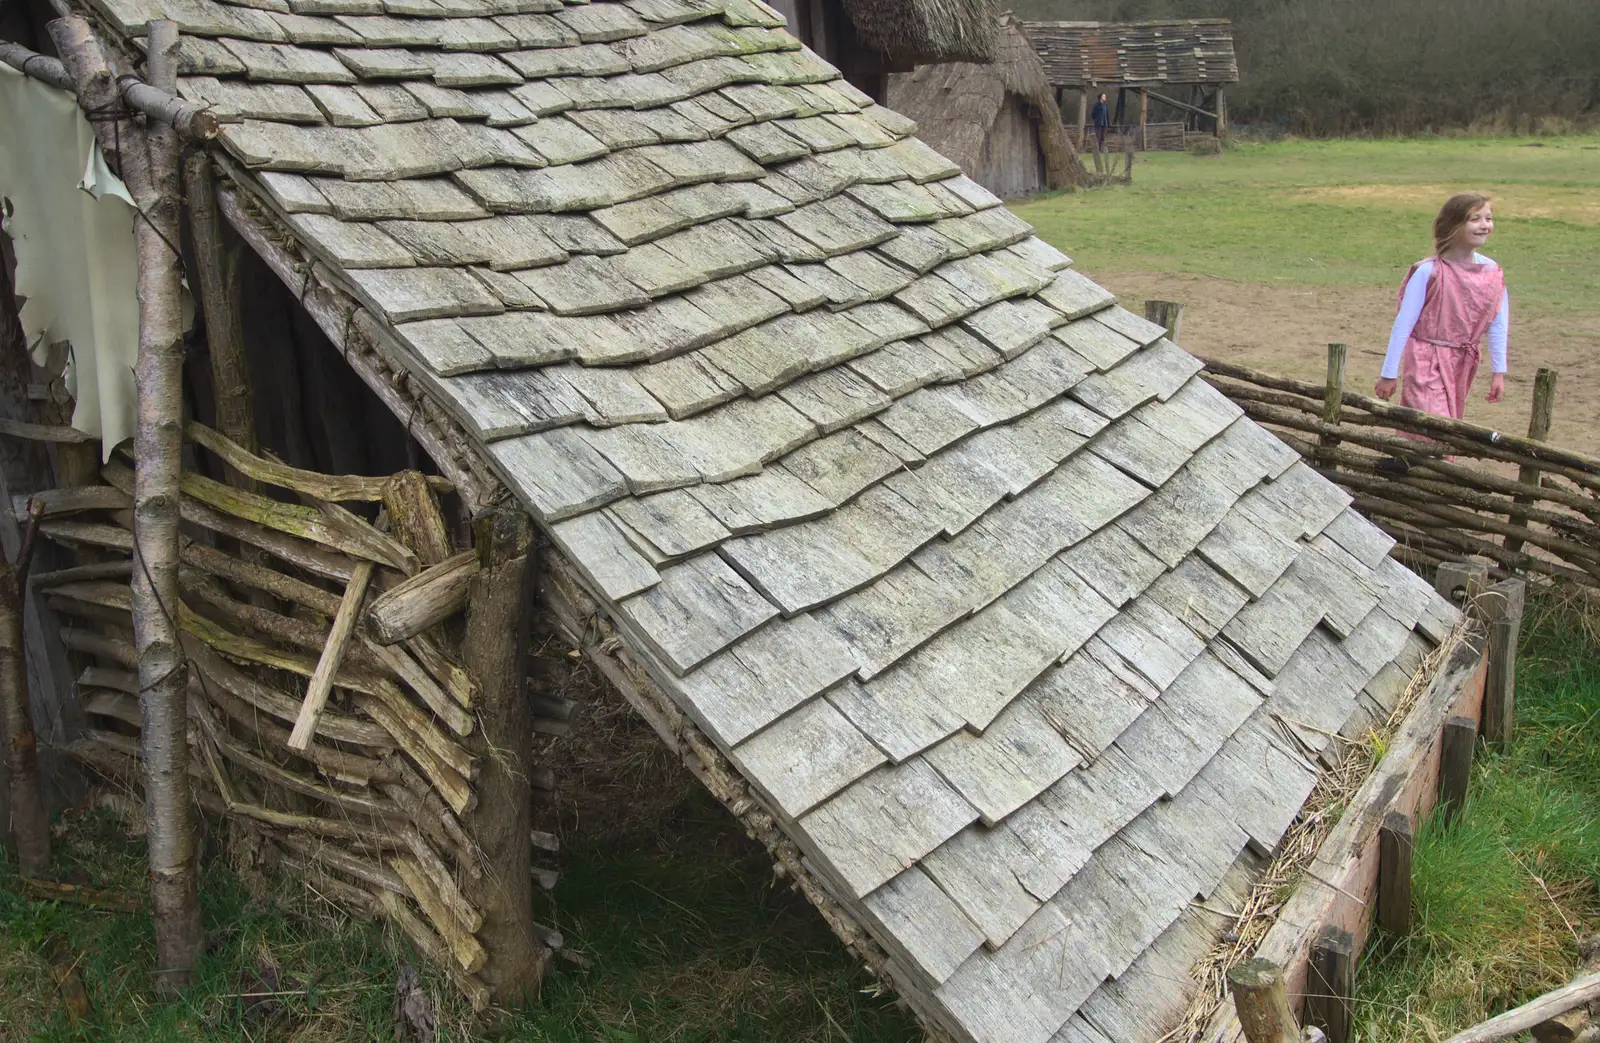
{"x": 956, "y": 105}
{"x": 927, "y": 30}
{"x": 1180, "y": 51}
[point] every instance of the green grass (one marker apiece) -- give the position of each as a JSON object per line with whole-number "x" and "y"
{"x": 680, "y": 931}
{"x": 1342, "y": 213}
{"x": 1500, "y": 892}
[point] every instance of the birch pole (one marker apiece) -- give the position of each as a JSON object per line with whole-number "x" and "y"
{"x": 158, "y": 438}
{"x": 149, "y": 167}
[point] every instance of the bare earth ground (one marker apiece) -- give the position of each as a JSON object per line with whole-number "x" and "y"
{"x": 1286, "y": 329}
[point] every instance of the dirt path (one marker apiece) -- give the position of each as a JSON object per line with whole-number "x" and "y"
{"x": 1286, "y": 330}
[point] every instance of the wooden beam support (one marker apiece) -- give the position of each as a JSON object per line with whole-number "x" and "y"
{"x": 28, "y": 820}
{"x": 149, "y": 161}
{"x": 1395, "y": 843}
{"x": 190, "y": 120}
{"x": 1455, "y": 770}
{"x": 499, "y": 614}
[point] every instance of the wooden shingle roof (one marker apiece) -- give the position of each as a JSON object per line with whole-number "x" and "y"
{"x": 1026, "y": 636}
{"x": 1180, "y": 51}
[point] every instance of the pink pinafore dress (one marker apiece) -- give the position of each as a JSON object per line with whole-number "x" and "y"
{"x": 1441, "y": 357}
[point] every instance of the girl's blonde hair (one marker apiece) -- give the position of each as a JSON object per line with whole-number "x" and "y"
{"x": 1453, "y": 218}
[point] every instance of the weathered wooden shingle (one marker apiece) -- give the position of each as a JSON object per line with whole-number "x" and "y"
{"x": 962, "y": 565}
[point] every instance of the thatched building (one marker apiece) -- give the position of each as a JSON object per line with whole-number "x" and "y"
{"x": 1184, "y": 65}
{"x": 997, "y": 119}
{"x": 869, "y": 39}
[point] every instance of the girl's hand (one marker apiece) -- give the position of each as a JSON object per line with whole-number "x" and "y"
{"x": 1385, "y": 388}
{"x": 1497, "y": 387}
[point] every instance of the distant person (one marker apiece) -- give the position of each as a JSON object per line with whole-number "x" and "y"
{"x": 1101, "y": 117}
{"x": 1448, "y": 302}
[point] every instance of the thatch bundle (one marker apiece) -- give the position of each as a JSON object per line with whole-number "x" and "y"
{"x": 956, "y": 105}
{"x": 927, "y": 30}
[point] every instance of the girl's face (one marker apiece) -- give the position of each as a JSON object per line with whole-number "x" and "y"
{"x": 1478, "y": 227}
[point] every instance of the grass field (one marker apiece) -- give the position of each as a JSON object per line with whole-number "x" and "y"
{"x": 1343, "y": 214}
{"x": 1278, "y": 249}
{"x": 1503, "y": 893}
{"x": 681, "y": 933}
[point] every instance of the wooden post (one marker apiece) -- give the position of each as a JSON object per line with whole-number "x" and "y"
{"x": 1455, "y": 765}
{"x": 1166, "y": 314}
{"x": 216, "y": 283}
{"x": 1262, "y": 1002}
{"x": 1144, "y": 119}
{"x": 1544, "y": 407}
{"x": 1461, "y": 581}
{"x": 1394, "y": 873}
{"x": 149, "y": 158}
{"x": 1501, "y": 606}
{"x": 1332, "y": 399}
{"x": 1500, "y": 687}
{"x": 499, "y": 611}
{"x": 1222, "y": 112}
{"x": 30, "y": 824}
{"x": 1083, "y": 115}
{"x": 1330, "y": 985}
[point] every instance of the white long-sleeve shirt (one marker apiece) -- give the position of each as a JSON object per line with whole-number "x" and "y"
{"x": 1411, "y": 307}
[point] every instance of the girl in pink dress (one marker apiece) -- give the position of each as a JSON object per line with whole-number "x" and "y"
{"x": 1448, "y": 303}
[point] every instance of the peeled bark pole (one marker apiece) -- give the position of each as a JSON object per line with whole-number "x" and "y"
{"x": 30, "y": 825}
{"x": 149, "y": 158}
{"x": 495, "y": 649}
{"x": 190, "y": 120}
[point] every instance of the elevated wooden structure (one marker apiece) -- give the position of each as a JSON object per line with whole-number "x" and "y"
{"x": 1005, "y": 631}
{"x": 1183, "y": 64}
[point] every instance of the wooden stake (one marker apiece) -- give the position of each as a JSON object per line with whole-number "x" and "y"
{"x": 1461, "y": 581}
{"x": 1544, "y": 408}
{"x": 1330, "y": 985}
{"x": 1455, "y": 765}
{"x": 1262, "y": 1002}
{"x": 1332, "y": 397}
{"x": 149, "y": 167}
{"x": 30, "y": 824}
{"x": 499, "y": 612}
{"x": 321, "y": 686}
{"x": 217, "y": 282}
{"x": 1166, "y": 314}
{"x": 1394, "y": 873}
{"x": 1500, "y": 688}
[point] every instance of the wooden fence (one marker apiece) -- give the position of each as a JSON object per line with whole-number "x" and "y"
{"x": 1445, "y": 489}
{"x": 343, "y": 738}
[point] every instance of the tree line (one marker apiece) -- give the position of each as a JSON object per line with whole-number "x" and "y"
{"x": 1332, "y": 67}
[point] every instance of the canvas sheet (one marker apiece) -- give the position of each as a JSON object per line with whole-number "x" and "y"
{"x": 71, "y": 222}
